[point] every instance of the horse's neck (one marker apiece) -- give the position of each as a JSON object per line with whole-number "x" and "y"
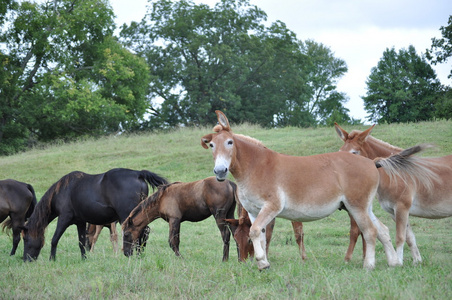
{"x": 249, "y": 156}
{"x": 149, "y": 214}
{"x": 377, "y": 148}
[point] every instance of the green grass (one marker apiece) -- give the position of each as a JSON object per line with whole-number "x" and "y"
{"x": 158, "y": 274}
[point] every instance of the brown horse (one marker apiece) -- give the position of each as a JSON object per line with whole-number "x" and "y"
{"x": 241, "y": 233}
{"x": 178, "y": 202}
{"x": 17, "y": 200}
{"x": 401, "y": 199}
{"x": 93, "y": 232}
{"x": 301, "y": 189}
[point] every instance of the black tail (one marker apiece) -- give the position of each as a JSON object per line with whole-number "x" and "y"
{"x": 153, "y": 179}
{"x": 33, "y": 202}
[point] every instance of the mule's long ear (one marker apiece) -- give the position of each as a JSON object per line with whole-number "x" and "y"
{"x": 205, "y": 140}
{"x": 223, "y": 120}
{"x": 341, "y": 132}
{"x": 363, "y": 135}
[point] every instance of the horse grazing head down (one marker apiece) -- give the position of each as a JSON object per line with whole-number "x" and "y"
{"x": 32, "y": 245}
{"x": 241, "y": 229}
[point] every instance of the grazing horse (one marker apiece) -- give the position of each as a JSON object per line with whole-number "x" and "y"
{"x": 183, "y": 201}
{"x": 93, "y": 232}
{"x": 79, "y": 198}
{"x": 401, "y": 199}
{"x": 17, "y": 200}
{"x": 301, "y": 189}
{"x": 241, "y": 233}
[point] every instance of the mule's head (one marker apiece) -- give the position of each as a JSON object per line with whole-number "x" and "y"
{"x": 241, "y": 233}
{"x": 222, "y": 144}
{"x": 355, "y": 141}
{"x": 32, "y": 245}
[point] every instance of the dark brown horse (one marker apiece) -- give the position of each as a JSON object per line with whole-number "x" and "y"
{"x": 241, "y": 233}
{"x": 17, "y": 200}
{"x": 178, "y": 202}
{"x": 79, "y": 198}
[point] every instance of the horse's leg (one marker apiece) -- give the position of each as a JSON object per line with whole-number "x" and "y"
{"x": 174, "y": 232}
{"x": 354, "y": 234}
{"x": 62, "y": 225}
{"x": 225, "y": 235}
{"x": 401, "y": 219}
{"x": 269, "y": 234}
{"x": 142, "y": 240}
{"x": 95, "y": 237}
{"x": 81, "y": 229}
{"x": 367, "y": 227}
{"x": 16, "y": 223}
{"x": 384, "y": 237}
{"x": 411, "y": 241}
{"x": 114, "y": 237}
{"x": 257, "y": 235}
{"x": 299, "y": 237}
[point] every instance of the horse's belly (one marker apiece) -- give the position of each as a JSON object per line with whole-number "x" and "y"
{"x": 307, "y": 212}
{"x": 292, "y": 209}
{"x": 431, "y": 210}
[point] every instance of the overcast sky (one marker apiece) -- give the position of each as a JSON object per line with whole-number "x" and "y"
{"x": 357, "y": 31}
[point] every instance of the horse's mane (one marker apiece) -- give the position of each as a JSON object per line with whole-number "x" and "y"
{"x": 39, "y": 219}
{"x": 150, "y": 201}
{"x": 373, "y": 140}
{"x": 250, "y": 139}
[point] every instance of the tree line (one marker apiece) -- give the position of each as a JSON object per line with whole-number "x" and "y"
{"x": 65, "y": 74}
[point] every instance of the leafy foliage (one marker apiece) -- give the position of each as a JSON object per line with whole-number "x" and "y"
{"x": 64, "y": 75}
{"x": 402, "y": 88}
{"x": 441, "y": 49}
{"x": 202, "y": 59}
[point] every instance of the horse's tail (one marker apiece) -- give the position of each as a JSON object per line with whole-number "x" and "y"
{"x": 33, "y": 202}
{"x": 7, "y": 225}
{"x": 235, "y": 195}
{"x": 153, "y": 179}
{"x": 408, "y": 167}
{"x": 236, "y": 198}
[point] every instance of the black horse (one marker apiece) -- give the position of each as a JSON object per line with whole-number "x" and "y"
{"x": 79, "y": 198}
{"x": 17, "y": 200}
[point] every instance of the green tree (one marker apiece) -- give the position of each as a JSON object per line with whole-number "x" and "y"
{"x": 441, "y": 49}
{"x": 64, "y": 75}
{"x": 440, "y": 52}
{"x": 402, "y": 88}
{"x": 202, "y": 59}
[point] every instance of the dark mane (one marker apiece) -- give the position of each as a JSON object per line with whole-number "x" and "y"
{"x": 150, "y": 201}
{"x": 39, "y": 219}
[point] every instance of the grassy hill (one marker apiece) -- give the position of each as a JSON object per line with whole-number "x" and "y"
{"x": 178, "y": 156}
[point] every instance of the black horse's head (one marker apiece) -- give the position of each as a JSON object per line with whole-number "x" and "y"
{"x": 32, "y": 246}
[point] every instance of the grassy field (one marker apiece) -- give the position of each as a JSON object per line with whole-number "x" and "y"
{"x": 158, "y": 274}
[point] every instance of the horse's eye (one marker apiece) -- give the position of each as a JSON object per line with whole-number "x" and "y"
{"x": 211, "y": 145}
{"x": 230, "y": 142}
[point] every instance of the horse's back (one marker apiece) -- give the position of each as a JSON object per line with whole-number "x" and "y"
{"x": 336, "y": 170}
{"x": 15, "y": 193}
